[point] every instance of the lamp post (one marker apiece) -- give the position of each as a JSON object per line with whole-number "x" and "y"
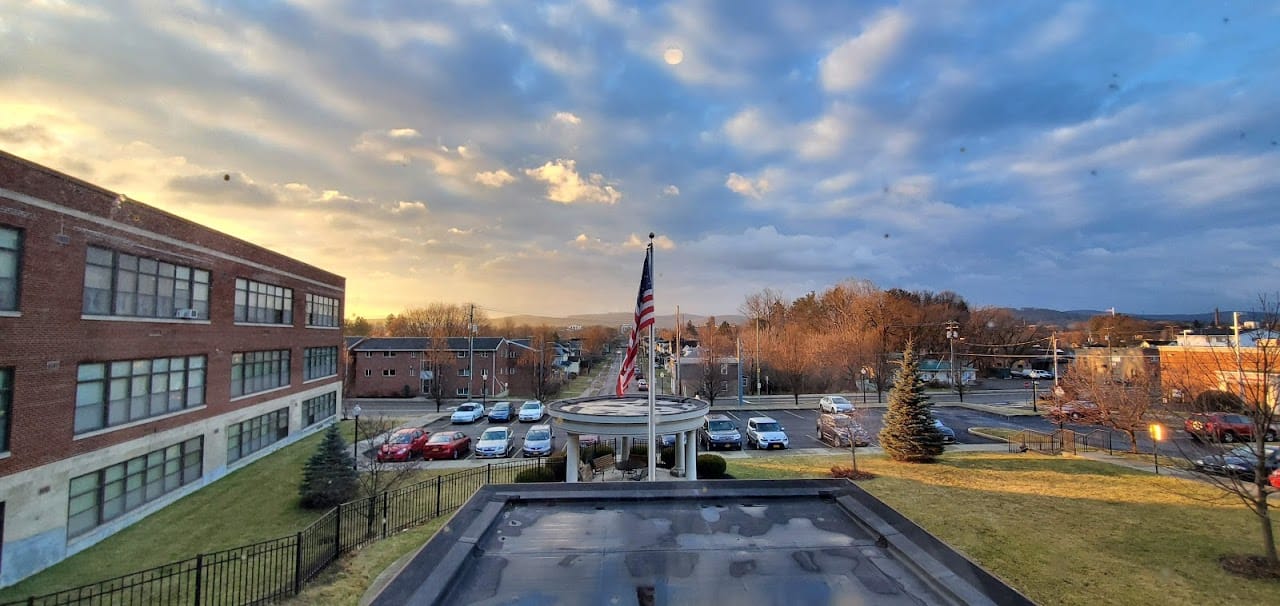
{"x": 1157, "y": 435}
{"x": 355, "y": 442}
{"x": 953, "y": 333}
{"x": 863, "y": 386}
{"x": 484, "y": 385}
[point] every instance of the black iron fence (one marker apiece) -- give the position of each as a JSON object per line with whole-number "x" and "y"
{"x": 264, "y": 572}
{"x": 1052, "y": 443}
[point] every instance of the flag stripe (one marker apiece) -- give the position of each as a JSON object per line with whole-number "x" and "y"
{"x": 644, "y": 318}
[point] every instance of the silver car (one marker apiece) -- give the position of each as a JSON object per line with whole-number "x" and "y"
{"x": 495, "y": 442}
{"x": 539, "y": 442}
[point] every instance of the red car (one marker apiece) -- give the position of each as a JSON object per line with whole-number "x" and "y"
{"x": 403, "y": 444}
{"x": 1275, "y": 479}
{"x": 447, "y": 445}
{"x": 1223, "y": 427}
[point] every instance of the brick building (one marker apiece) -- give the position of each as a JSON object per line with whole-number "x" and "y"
{"x": 1212, "y": 361}
{"x": 142, "y": 356}
{"x": 412, "y": 366}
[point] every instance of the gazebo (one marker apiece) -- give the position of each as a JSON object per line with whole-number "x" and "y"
{"x": 628, "y": 417}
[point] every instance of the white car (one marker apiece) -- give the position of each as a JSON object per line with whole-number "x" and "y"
{"x": 469, "y": 412}
{"x": 538, "y": 442}
{"x": 835, "y": 404}
{"x": 764, "y": 432}
{"x": 532, "y": 411}
{"x": 1038, "y": 374}
{"x": 642, "y": 384}
{"x": 495, "y": 442}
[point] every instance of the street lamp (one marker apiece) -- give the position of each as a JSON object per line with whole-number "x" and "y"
{"x": 953, "y": 333}
{"x": 355, "y": 442}
{"x": 1157, "y": 436}
{"x": 484, "y": 386}
{"x": 863, "y": 386}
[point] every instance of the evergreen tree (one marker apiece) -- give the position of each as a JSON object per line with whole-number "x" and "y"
{"x": 329, "y": 477}
{"x": 909, "y": 434}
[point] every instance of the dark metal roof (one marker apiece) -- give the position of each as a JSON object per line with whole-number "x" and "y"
{"x": 706, "y": 542}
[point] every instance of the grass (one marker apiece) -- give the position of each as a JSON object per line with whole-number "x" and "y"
{"x": 1066, "y": 531}
{"x": 254, "y": 503}
{"x": 351, "y": 577}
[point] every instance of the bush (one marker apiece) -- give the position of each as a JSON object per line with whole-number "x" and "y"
{"x": 536, "y": 474}
{"x": 710, "y": 466}
{"x": 667, "y": 457}
{"x": 556, "y": 463}
{"x": 329, "y": 477}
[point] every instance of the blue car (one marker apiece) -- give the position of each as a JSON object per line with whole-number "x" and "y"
{"x": 501, "y": 412}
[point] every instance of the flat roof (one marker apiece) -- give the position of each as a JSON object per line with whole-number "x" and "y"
{"x": 712, "y": 541}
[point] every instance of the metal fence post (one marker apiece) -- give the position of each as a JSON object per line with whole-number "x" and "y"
{"x": 337, "y": 533}
{"x": 297, "y": 563}
{"x": 384, "y": 514}
{"x": 488, "y": 473}
{"x": 199, "y": 577}
{"x": 438, "y": 488}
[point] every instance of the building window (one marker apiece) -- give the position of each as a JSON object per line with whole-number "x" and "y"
{"x": 261, "y": 303}
{"x": 463, "y": 391}
{"x": 368, "y": 373}
{"x": 462, "y": 354}
{"x": 319, "y": 362}
{"x": 484, "y": 354}
{"x": 6, "y": 406}
{"x": 248, "y": 437}
{"x": 388, "y": 372}
{"x": 121, "y": 284}
{"x": 104, "y": 495}
{"x": 388, "y": 354}
{"x": 319, "y": 408}
{"x": 10, "y": 261}
{"x": 322, "y": 311}
{"x": 464, "y": 372}
{"x": 115, "y": 393}
{"x": 255, "y": 371}
{"x": 368, "y": 354}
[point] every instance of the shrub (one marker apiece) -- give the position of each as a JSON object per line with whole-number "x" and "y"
{"x": 329, "y": 477}
{"x": 556, "y": 463}
{"x": 536, "y": 474}
{"x": 710, "y": 466}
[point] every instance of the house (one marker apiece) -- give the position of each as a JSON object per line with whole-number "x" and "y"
{"x": 144, "y": 356}
{"x": 939, "y": 371}
{"x": 454, "y": 367}
{"x": 705, "y": 377}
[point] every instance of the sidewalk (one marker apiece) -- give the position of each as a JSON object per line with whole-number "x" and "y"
{"x": 787, "y": 402}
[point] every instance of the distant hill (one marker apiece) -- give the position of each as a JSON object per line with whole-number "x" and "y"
{"x": 1038, "y": 315}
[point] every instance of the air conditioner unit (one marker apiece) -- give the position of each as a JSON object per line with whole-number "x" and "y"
{"x": 187, "y": 314}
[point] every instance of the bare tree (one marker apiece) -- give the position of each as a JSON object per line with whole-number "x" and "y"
{"x": 1124, "y": 403}
{"x": 1250, "y": 369}
{"x": 377, "y": 477}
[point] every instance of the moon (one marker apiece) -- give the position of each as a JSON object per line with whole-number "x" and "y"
{"x": 673, "y": 56}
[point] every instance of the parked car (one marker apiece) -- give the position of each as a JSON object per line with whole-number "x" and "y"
{"x": 500, "y": 413}
{"x": 764, "y": 432}
{"x": 1238, "y": 462}
{"x": 495, "y": 442}
{"x": 403, "y": 444}
{"x": 1034, "y": 373}
{"x": 719, "y": 431}
{"x": 1223, "y": 427}
{"x": 1076, "y": 411}
{"x": 532, "y": 411}
{"x": 588, "y": 439}
{"x": 1274, "y": 478}
{"x": 539, "y": 442}
{"x": 834, "y": 404}
{"x": 468, "y": 412}
{"x": 447, "y": 445}
{"x": 642, "y": 384}
{"x": 838, "y": 429}
{"x": 948, "y": 434}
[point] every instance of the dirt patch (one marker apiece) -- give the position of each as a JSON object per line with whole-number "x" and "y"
{"x": 1250, "y": 567}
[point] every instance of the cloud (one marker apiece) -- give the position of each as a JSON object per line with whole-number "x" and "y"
{"x": 566, "y": 186}
{"x": 225, "y": 188}
{"x": 660, "y": 242}
{"x": 858, "y": 59}
{"x": 745, "y": 186}
{"x": 671, "y": 191}
{"x": 403, "y": 133}
{"x": 567, "y": 118}
{"x": 406, "y": 208}
{"x": 494, "y": 178}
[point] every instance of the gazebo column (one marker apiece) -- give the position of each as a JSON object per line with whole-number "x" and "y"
{"x": 571, "y": 460}
{"x": 691, "y": 457}
{"x": 679, "y": 469}
{"x": 626, "y": 449}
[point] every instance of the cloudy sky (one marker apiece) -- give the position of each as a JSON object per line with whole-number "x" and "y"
{"x": 517, "y": 154}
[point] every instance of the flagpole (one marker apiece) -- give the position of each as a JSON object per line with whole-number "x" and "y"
{"x": 653, "y": 382}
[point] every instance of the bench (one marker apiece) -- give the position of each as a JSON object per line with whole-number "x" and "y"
{"x": 601, "y": 464}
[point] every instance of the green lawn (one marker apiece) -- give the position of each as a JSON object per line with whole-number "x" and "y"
{"x": 1063, "y": 531}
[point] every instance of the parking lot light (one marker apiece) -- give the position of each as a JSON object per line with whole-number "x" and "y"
{"x": 355, "y": 442}
{"x": 1157, "y": 433}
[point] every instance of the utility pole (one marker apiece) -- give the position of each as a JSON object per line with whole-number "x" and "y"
{"x": 471, "y": 349}
{"x": 1235, "y": 329}
{"x": 677, "y": 389}
{"x": 739, "y": 372}
{"x": 757, "y": 359}
{"x": 953, "y": 333}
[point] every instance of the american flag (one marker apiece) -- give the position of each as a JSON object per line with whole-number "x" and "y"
{"x": 644, "y": 319}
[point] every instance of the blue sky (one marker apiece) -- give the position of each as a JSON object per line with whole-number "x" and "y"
{"x": 517, "y": 154}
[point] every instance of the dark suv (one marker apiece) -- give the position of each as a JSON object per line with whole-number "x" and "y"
{"x": 1223, "y": 427}
{"x": 719, "y": 431}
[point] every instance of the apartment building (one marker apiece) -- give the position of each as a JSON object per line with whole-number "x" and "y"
{"x": 458, "y": 367}
{"x": 142, "y": 356}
